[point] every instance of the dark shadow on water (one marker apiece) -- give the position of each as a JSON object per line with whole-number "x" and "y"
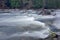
{"x": 54, "y": 29}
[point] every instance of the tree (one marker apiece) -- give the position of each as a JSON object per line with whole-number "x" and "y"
{"x": 15, "y": 3}
{"x": 37, "y": 3}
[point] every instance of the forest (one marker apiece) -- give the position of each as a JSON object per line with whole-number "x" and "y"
{"x": 48, "y": 4}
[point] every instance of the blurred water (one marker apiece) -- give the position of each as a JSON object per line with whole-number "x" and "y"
{"x": 22, "y": 25}
{"x": 57, "y": 22}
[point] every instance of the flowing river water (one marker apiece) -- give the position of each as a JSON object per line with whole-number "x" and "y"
{"x": 14, "y": 32}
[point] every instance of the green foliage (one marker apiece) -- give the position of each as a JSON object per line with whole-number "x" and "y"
{"x": 49, "y": 3}
{"x": 37, "y": 3}
{"x": 15, "y": 3}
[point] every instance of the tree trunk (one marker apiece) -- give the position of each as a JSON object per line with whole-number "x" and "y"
{"x": 30, "y": 4}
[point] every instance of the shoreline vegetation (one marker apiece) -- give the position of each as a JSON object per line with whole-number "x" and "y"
{"x": 34, "y": 4}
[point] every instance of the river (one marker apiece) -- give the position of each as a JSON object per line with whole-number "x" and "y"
{"x": 13, "y": 31}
